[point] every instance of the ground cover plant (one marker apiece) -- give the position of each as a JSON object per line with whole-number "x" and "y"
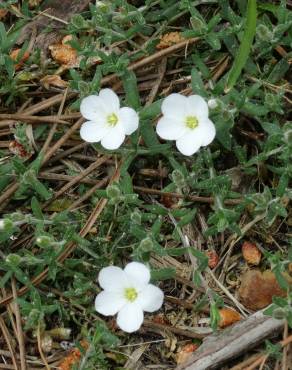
{"x": 204, "y": 209}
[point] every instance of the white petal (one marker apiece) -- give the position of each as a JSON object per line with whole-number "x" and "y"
{"x": 114, "y": 138}
{"x": 170, "y": 129}
{"x": 92, "y": 107}
{"x": 110, "y": 99}
{"x": 174, "y": 106}
{"x": 113, "y": 279}
{"x": 197, "y": 106}
{"x": 151, "y": 298}
{"x": 189, "y": 143}
{"x": 109, "y": 303}
{"x": 93, "y": 132}
{"x": 206, "y": 131}
{"x": 130, "y": 317}
{"x": 129, "y": 119}
{"x": 138, "y": 273}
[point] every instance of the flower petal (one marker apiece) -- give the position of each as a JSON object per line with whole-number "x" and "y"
{"x": 93, "y": 132}
{"x": 109, "y": 303}
{"x": 206, "y": 131}
{"x": 170, "y": 129}
{"x": 138, "y": 273}
{"x": 92, "y": 107}
{"x": 189, "y": 143}
{"x": 197, "y": 106}
{"x": 113, "y": 279}
{"x": 174, "y": 106}
{"x": 110, "y": 99}
{"x": 114, "y": 138}
{"x": 130, "y": 317}
{"x": 129, "y": 119}
{"x": 151, "y": 298}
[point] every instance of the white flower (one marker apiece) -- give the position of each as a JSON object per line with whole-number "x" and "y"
{"x": 128, "y": 293}
{"x": 107, "y": 122}
{"x": 185, "y": 119}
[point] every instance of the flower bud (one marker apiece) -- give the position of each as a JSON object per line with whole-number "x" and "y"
{"x": 288, "y": 134}
{"x": 264, "y": 34}
{"x": 13, "y": 259}
{"x": 178, "y": 178}
{"x": 17, "y": 216}
{"x": 279, "y": 313}
{"x": 29, "y": 177}
{"x": 146, "y": 245}
{"x": 212, "y": 103}
{"x": 44, "y": 241}
{"x": 6, "y": 225}
{"x": 136, "y": 217}
{"x": 197, "y": 24}
{"x": 113, "y": 191}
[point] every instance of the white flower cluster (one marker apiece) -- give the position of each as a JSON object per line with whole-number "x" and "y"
{"x": 128, "y": 292}
{"x": 185, "y": 120}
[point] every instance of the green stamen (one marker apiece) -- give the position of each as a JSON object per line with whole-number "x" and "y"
{"x": 131, "y": 294}
{"x": 192, "y": 122}
{"x": 112, "y": 119}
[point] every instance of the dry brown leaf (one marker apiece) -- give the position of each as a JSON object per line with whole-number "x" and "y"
{"x": 213, "y": 259}
{"x": 53, "y": 80}
{"x": 3, "y": 13}
{"x": 251, "y": 253}
{"x": 160, "y": 319}
{"x": 185, "y": 352}
{"x": 257, "y": 288}
{"x": 228, "y": 317}
{"x": 14, "y": 56}
{"x": 64, "y": 54}
{"x": 169, "y": 39}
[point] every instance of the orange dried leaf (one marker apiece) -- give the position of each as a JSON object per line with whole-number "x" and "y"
{"x": 64, "y": 54}
{"x": 53, "y": 80}
{"x": 186, "y": 351}
{"x": 251, "y": 253}
{"x": 169, "y": 39}
{"x": 228, "y": 317}
{"x": 3, "y": 13}
{"x": 14, "y": 56}
{"x": 73, "y": 357}
{"x": 213, "y": 259}
{"x": 34, "y": 3}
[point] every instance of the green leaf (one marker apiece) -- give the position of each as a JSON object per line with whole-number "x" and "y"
{"x": 197, "y": 83}
{"x": 163, "y": 274}
{"x": 245, "y": 46}
{"x": 214, "y": 316}
{"x": 148, "y": 134}
{"x": 185, "y": 220}
{"x": 151, "y": 111}
{"x": 36, "y": 209}
{"x": 131, "y": 89}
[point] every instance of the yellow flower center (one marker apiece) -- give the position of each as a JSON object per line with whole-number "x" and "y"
{"x": 192, "y": 122}
{"x": 112, "y": 119}
{"x": 131, "y": 294}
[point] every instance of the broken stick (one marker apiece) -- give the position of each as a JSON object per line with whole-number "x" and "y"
{"x": 225, "y": 345}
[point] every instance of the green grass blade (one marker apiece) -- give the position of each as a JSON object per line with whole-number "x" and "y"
{"x": 245, "y": 46}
